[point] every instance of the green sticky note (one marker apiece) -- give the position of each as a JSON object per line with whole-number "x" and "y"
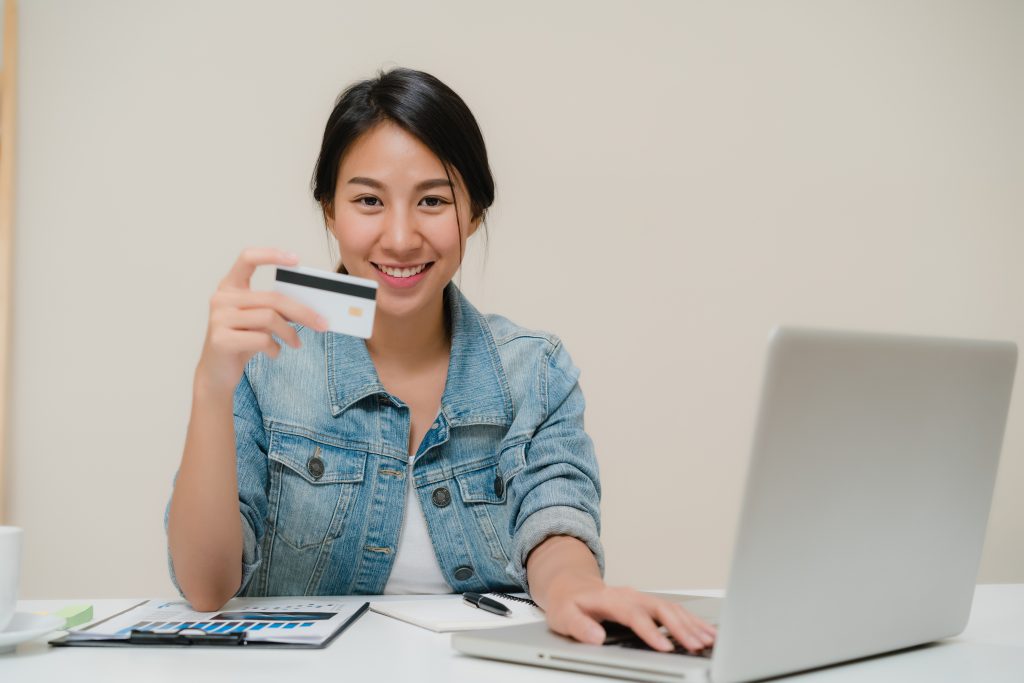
{"x": 74, "y": 615}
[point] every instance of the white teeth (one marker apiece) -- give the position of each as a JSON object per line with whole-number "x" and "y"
{"x": 401, "y": 272}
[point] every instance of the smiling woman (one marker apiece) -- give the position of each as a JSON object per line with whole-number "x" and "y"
{"x": 445, "y": 453}
{"x": 430, "y": 114}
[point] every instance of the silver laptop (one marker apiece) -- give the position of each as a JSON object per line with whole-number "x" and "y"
{"x": 867, "y": 496}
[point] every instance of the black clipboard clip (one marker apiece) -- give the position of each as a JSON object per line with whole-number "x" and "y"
{"x": 185, "y": 636}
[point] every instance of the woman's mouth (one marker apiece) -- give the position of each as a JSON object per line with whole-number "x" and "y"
{"x": 402, "y": 276}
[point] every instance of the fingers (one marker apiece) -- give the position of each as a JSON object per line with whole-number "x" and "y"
{"x": 630, "y": 608}
{"x": 284, "y": 306}
{"x": 241, "y": 272}
{"x": 643, "y": 625}
{"x": 704, "y": 626}
{"x": 683, "y": 626}
{"x": 244, "y": 341}
{"x": 643, "y": 613}
{"x": 261, "y": 319}
{"x": 574, "y": 623}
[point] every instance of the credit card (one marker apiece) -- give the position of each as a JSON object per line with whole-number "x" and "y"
{"x": 348, "y": 303}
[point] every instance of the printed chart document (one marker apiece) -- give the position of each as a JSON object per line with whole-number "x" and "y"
{"x": 450, "y": 613}
{"x": 297, "y": 621}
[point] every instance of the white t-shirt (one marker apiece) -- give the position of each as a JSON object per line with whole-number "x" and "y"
{"x": 415, "y": 569}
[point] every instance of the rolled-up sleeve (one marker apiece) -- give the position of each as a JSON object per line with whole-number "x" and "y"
{"x": 251, "y": 459}
{"x": 558, "y": 491}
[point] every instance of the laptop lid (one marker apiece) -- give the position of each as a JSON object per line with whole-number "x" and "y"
{"x": 867, "y": 496}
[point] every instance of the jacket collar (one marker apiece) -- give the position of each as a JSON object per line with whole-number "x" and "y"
{"x": 475, "y": 392}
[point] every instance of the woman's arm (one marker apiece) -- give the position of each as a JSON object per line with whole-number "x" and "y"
{"x": 565, "y": 581}
{"x": 557, "y": 553}
{"x": 208, "y": 541}
{"x": 204, "y": 529}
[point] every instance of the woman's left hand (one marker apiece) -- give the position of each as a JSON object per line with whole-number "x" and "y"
{"x": 576, "y": 605}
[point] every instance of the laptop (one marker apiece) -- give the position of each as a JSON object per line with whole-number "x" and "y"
{"x": 866, "y": 501}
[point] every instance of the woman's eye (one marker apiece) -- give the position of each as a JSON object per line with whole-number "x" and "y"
{"x": 362, "y": 201}
{"x": 434, "y": 202}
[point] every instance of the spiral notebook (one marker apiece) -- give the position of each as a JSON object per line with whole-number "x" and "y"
{"x": 449, "y": 613}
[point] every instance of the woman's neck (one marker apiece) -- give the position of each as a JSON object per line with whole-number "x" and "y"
{"x": 412, "y": 341}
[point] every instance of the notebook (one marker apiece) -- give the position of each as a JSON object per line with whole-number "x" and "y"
{"x": 449, "y": 613}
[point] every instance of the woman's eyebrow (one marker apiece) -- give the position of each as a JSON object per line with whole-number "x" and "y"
{"x": 425, "y": 185}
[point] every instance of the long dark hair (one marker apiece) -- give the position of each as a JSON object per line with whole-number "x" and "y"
{"x": 427, "y": 109}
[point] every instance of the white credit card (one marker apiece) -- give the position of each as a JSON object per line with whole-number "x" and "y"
{"x": 348, "y": 303}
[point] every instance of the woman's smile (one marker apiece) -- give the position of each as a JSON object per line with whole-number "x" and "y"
{"x": 401, "y": 276}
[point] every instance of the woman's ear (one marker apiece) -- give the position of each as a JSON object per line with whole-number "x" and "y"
{"x": 328, "y": 210}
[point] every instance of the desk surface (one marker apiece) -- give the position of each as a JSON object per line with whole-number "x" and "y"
{"x": 990, "y": 649}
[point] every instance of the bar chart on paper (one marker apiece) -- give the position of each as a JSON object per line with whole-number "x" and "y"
{"x": 252, "y": 617}
{"x": 213, "y": 626}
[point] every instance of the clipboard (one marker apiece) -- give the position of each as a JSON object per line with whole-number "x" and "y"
{"x": 187, "y": 637}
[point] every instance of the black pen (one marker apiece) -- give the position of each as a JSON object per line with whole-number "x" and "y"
{"x": 487, "y": 604}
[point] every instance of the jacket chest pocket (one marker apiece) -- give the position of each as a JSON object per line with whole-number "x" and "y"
{"x": 313, "y": 486}
{"x": 485, "y": 493}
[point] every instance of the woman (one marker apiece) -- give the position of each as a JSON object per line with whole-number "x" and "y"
{"x": 445, "y": 453}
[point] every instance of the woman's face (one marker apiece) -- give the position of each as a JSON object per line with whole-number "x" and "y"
{"x": 394, "y": 218}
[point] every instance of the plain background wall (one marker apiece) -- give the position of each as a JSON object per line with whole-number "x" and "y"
{"x": 673, "y": 180}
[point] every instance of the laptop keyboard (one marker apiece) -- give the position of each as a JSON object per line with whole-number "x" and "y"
{"x": 622, "y": 636}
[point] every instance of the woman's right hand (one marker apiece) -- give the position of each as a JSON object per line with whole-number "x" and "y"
{"x": 242, "y": 320}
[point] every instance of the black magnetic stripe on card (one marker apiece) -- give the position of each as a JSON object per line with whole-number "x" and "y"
{"x": 295, "y": 278}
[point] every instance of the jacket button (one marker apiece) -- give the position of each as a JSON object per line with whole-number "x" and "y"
{"x": 499, "y": 485}
{"x": 464, "y": 573}
{"x": 315, "y": 467}
{"x": 441, "y": 497}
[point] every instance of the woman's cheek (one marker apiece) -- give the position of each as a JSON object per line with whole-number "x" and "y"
{"x": 444, "y": 233}
{"x": 355, "y": 229}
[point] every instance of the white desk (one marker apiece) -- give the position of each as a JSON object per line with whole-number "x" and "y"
{"x": 377, "y": 648}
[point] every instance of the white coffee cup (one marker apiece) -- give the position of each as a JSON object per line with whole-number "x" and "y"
{"x": 10, "y": 562}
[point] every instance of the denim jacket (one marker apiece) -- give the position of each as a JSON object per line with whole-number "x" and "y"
{"x": 323, "y": 465}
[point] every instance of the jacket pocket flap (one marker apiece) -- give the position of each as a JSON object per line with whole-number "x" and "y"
{"x": 315, "y": 461}
{"x": 482, "y": 485}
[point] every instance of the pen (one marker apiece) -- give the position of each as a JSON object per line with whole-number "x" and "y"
{"x": 486, "y": 604}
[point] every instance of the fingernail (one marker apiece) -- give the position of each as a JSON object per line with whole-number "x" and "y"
{"x": 321, "y": 323}
{"x": 664, "y": 643}
{"x": 291, "y": 256}
{"x": 595, "y": 634}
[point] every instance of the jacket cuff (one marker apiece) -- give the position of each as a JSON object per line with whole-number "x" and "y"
{"x": 558, "y": 520}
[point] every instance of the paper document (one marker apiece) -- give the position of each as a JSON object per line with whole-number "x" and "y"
{"x": 294, "y": 620}
{"x": 450, "y": 613}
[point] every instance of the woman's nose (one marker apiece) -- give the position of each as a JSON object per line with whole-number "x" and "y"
{"x": 401, "y": 234}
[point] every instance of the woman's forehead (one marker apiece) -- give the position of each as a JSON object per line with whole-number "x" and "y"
{"x": 392, "y": 156}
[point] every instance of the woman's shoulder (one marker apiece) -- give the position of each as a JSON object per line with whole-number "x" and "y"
{"x": 536, "y": 365}
{"x": 505, "y": 332}
{"x": 529, "y": 349}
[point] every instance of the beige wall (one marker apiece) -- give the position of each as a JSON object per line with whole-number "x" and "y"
{"x": 673, "y": 180}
